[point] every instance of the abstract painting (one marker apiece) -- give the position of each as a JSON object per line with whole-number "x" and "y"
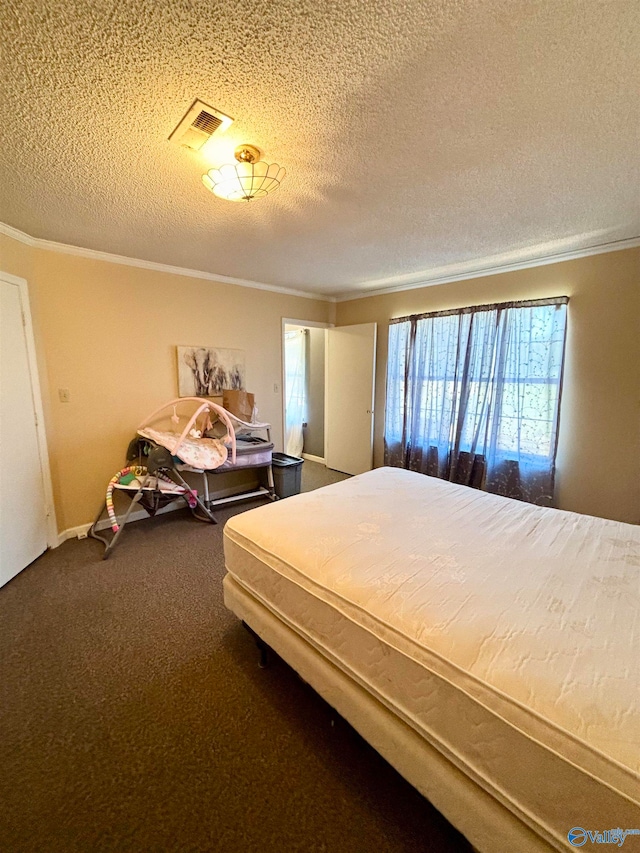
{"x": 206, "y": 371}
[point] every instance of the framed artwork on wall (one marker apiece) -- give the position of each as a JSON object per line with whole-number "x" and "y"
{"x": 206, "y": 371}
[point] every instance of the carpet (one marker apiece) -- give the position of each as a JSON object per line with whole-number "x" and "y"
{"x": 134, "y": 716}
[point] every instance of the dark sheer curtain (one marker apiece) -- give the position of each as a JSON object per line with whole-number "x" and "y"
{"x": 473, "y": 396}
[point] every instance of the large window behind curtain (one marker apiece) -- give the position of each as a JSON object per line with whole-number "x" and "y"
{"x": 473, "y": 395}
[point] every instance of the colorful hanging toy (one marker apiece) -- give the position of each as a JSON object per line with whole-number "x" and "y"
{"x": 125, "y": 477}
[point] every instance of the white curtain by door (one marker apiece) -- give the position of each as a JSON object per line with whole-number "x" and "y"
{"x": 295, "y": 390}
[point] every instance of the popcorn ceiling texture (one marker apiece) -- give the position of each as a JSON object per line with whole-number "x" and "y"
{"x": 416, "y": 134}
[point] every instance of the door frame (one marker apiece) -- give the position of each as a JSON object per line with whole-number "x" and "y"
{"x": 36, "y": 396}
{"x": 287, "y": 321}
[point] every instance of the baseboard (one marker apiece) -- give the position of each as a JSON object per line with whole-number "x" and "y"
{"x": 80, "y": 532}
{"x": 313, "y": 458}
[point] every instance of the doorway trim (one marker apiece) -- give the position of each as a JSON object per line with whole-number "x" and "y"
{"x": 287, "y": 321}
{"x": 36, "y": 396}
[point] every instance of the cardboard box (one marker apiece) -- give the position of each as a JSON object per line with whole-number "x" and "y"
{"x": 239, "y": 403}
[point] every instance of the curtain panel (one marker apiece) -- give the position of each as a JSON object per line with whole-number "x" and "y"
{"x": 295, "y": 361}
{"x": 473, "y": 395}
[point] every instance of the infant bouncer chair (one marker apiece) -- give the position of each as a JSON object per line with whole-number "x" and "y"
{"x": 152, "y": 477}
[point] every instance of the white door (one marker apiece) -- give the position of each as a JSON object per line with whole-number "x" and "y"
{"x": 23, "y": 512}
{"x": 349, "y": 395}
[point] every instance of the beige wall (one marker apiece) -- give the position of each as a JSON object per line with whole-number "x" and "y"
{"x": 15, "y": 257}
{"x": 314, "y": 434}
{"x": 108, "y": 333}
{"x": 598, "y": 463}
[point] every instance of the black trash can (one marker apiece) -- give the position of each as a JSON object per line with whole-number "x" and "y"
{"x": 287, "y": 474}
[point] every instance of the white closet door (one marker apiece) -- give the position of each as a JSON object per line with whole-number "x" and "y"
{"x": 350, "y": 363}
{"x": 23, "y": 513}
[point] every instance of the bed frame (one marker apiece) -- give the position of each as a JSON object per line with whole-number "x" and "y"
{"x": 488, "y": 825}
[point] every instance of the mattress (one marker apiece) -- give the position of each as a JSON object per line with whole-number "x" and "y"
{"x": 505, "y": 634}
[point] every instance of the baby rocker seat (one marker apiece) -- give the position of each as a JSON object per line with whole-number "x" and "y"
{"x": 158, "y": 482}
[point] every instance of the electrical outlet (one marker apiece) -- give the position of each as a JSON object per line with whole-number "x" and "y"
{"x": 64, "y": 394}
{"x": 276, "y": 388}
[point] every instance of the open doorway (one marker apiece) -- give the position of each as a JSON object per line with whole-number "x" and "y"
{"x": 328, "y": 383}
{"x": 303, "y": 388}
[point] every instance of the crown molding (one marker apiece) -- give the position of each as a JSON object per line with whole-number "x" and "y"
{"x": 464, "y": 272}
{"x": 95, "y": 255}
{"x": 20, "y": 236}
{"x": 396, "y": 284}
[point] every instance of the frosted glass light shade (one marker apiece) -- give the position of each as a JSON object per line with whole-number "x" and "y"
{"x": 244, "y": 181}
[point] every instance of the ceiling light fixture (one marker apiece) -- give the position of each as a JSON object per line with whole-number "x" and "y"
{"x": 249, "y": 178}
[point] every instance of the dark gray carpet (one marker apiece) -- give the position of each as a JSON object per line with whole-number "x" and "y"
{"x": 315, "y": 475}
{"x": 134, "y": 717}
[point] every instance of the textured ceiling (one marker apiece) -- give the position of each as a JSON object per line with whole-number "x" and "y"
{"x": 416, "y": 134}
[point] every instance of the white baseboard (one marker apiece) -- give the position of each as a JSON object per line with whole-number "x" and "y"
{"x": 80, "y": 532}
{"x": 140, "y": 515}
{"x": 313, "y": 458}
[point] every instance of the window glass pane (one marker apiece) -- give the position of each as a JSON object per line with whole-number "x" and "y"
{"x": 397, "y": 360}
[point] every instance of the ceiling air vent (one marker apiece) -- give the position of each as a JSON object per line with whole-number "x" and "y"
{"x": 198, "y": 126}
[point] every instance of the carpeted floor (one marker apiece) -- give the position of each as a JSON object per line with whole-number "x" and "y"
{"x": 134, "y": 716}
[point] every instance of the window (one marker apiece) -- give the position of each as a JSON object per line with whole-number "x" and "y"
{"x": 473, "y": 395}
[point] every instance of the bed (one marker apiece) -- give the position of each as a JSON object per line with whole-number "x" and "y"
{"x": 487, "y": 648}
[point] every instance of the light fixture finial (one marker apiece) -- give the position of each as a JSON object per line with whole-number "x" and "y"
{"x": 247, "y": 154}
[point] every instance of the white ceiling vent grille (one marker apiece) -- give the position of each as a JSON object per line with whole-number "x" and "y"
{"x": 198, "y": 126}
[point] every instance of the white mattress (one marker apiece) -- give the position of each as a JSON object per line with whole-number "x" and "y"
{"x": 505, "y": 634}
